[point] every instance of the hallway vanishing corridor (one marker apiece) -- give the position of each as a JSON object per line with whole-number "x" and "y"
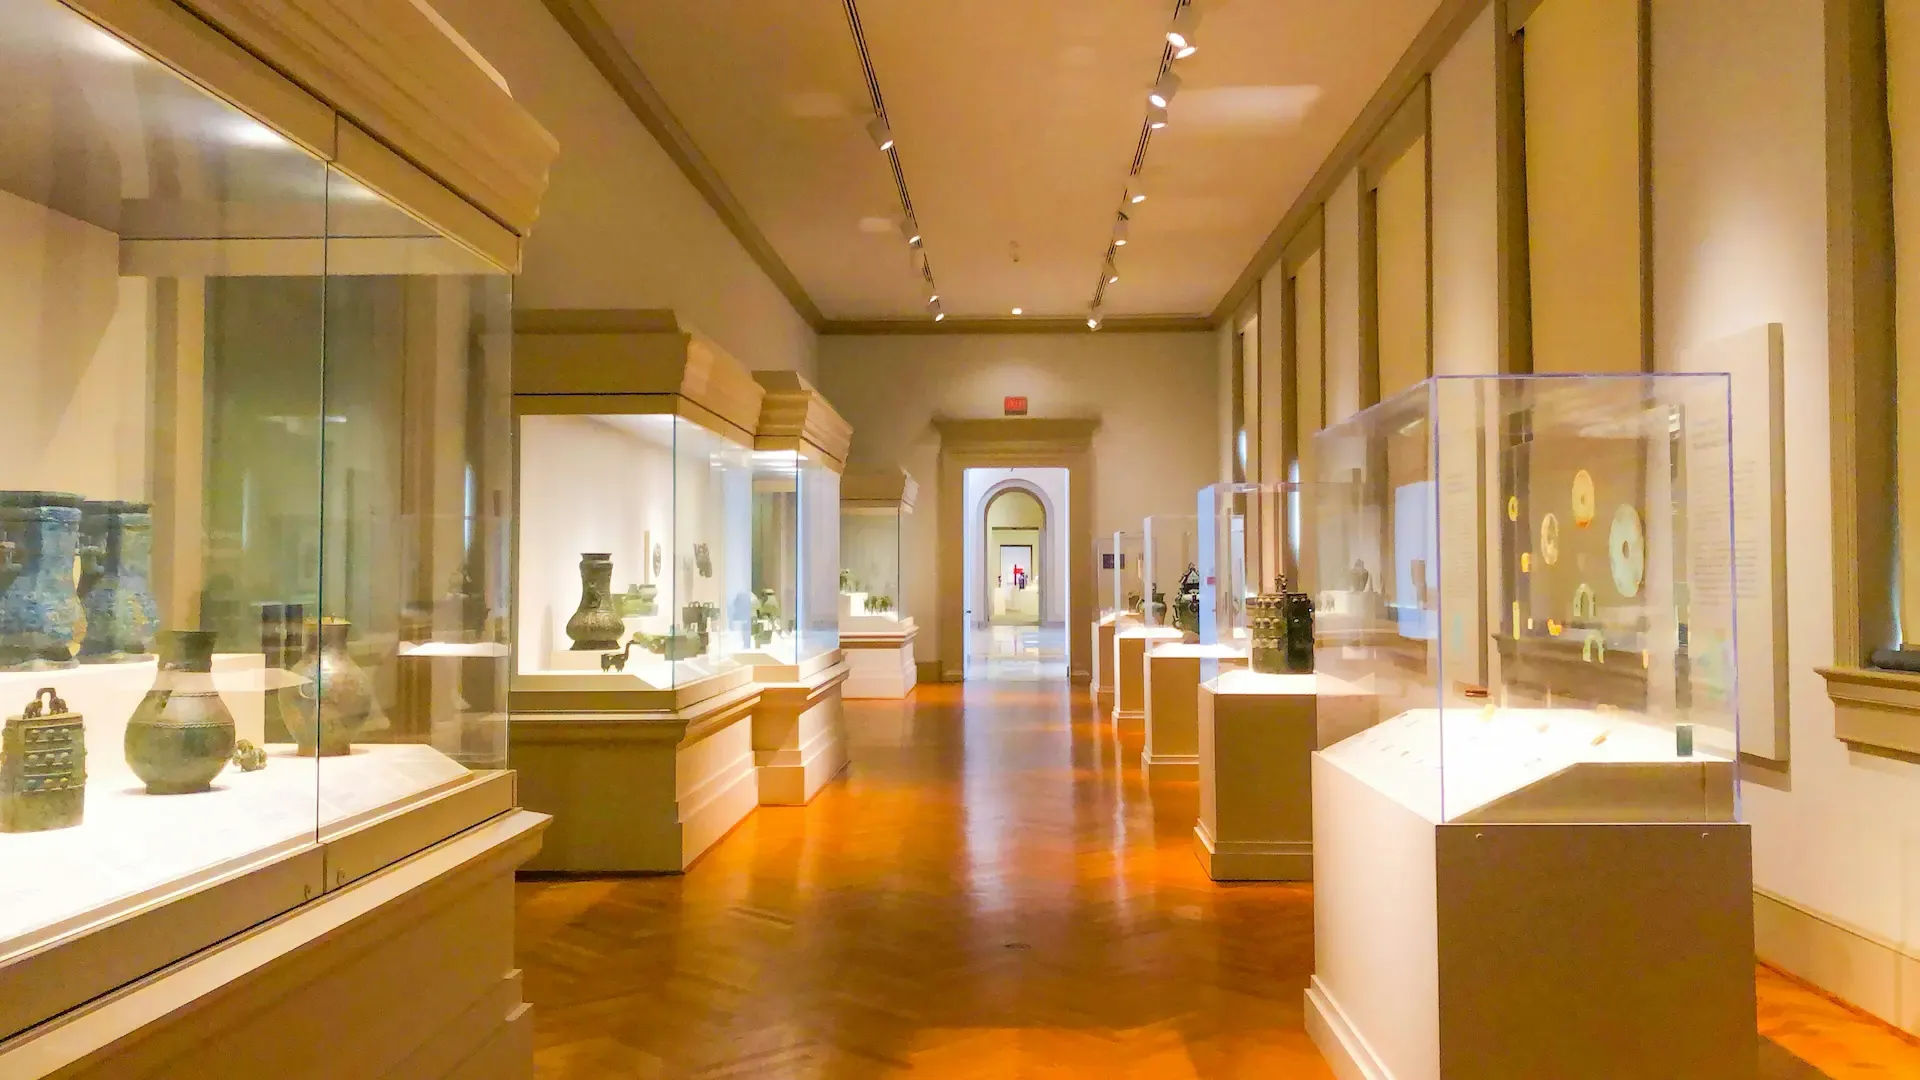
{"x": 992, "y": 892}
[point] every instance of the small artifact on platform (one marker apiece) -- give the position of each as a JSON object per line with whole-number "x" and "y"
{"x": 637, "y": 601}
{"x": 1600, "y": 738}
{"x": 43, "y": 766}
{"x": 703, "y": 560}
{"x": 248, "y": 757}
{"x": 594, "y": 627}
{"x": 1583, "y": 499}
{"x": 181, "y": 735}
{"x": 1280, "y": 625}
{"x": 1358, "y": 577}
{"x": 1627, "y": 551}
{"x": 1549, "y": 539}
{"x": 1186, "y": 602}
{"x": 1683, "y": 740}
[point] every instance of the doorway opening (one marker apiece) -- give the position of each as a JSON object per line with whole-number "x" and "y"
{"x": 1016, "y": 580}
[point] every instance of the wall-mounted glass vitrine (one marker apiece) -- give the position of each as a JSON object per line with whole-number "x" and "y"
{"x": 1171, "y": 563}
{"x": 1535, "y": 581}
{"x": 254, "y": 502}
{"x": 635, "y": 576}
{"x": 874, "y": 508}
{"x": 800, "y": 452}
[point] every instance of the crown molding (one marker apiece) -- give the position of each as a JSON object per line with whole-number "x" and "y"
{"x": 589, "y": 30}
{"x": 1113, "y": 324}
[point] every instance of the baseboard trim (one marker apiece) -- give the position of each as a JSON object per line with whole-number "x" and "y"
{"x": 1251, "y": 860}
{"x": 1346, "y": 1052}
{"x": 1122, "y": 716}
{"x": 1170, "y": 766}
{"x": 1860, "y": 968}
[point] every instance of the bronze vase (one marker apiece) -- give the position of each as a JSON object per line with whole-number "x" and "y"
{"x": 595, "y": 626}
{"x": 335, "y": 697}
{"x": 181, "y": 734}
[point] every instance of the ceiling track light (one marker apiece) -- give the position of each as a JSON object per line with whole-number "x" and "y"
{"x": 1136, "y": 194}
{"x": 1181, "y": 34}
{"x": 1163, "y": 91}
{"x": 934, "y": 300}
{"x": 880, "y": 133}
{"x": 1156, "y": 116}
{"x": 910, "y": 230}
{"x": 1120, "y": 231}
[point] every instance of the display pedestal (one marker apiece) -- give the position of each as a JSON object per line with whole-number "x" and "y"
{"x": 1515, "y": 952}
{"x": 1102, "y": 683}
{"x": 1173, "y": 673}
{"x": 407, "y": 973}
{"x": 1257, "y": 735}
{"x": 1130, "y": 645}
{"x": 800, "y": 736}
{"x": 638, "y": 791}
{"x": 880, "y": 664}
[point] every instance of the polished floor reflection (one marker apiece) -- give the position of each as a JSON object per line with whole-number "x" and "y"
{"x": 1017, "y": 654}
{"x": 991, "y": 891}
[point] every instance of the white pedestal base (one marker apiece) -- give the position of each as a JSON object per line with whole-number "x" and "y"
{"x": 1516, "y": 952}
{"x": 408, "y": 973}
{"x": 1171, "y": 749}
{"x": 1130, "y": 647}
{"x": 799, "y": 737}
{"x": 879, "y": 665}
{"x": 638, "y": 791}
{"x": 1101, "y": 685}
{"x": 1257, "y": 734}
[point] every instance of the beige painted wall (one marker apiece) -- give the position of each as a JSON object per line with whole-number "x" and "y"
{"x": 621, "y": 227}
{"x": 1583, "y": 184}
{"x": 1156, "y": 396}
{"x": 1400, "y": 269}
{"x": 1342, "y": 285}
{"x": 1740, "y": 240}
{"x": 1466, "y": 207}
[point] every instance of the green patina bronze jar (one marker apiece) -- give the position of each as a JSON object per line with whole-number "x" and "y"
{"x": 1281, "y": 626}
{"x": 43, "y": 766}
{"x": 181, "y": 735}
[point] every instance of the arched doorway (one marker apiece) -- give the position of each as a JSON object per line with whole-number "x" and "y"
{"x": 1015, "y": 580}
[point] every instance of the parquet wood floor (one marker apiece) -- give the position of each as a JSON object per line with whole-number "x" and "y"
{"x": 992, "y": 891}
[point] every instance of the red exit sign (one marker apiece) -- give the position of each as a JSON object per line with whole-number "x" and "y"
{"x": 1015, "y": 406}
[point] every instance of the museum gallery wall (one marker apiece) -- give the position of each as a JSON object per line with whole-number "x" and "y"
{"x": 1733, "y": 255}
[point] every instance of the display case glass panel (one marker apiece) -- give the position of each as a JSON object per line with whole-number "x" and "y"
{"x": 1103, "y": 572}
{"x": 1526, "y": 597}
{"x": 635, "y": 551}
{"x": 1240, "y": 526}
{"x": 253, "y": 496}
{"x": 796, "y": 543}
{"x": 1171, "y": 561}
{"x": 872, "y": 559}
{"x": 1128, "y": 578}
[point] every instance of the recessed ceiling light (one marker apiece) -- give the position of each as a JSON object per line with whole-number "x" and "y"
{"x": 1180, "y": 34}
{"x": 1016, "y": 311}
{"x": 1156, "y": 117}
{"x": 1135, "y": 194}
{"x": 880, "y": 133}
{"x": 1163, "y": 91}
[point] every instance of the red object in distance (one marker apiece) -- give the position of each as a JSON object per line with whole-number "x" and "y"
{"x": 1015, "y": 406}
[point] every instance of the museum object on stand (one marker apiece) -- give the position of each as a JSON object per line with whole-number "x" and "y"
{"x": 43, "y": 766}
{"x": 1168, "y": 548}
{"x": 877, "y": 632}
{"x": 1531, "y": 734}
{"x": 255, "y": 495}
{"x": 635, "y": 438}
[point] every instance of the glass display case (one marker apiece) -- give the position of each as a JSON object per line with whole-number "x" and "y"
{"x": 1527, "y": 597}
{"x": 1127, "y": 580}
{"x": 1170, "y": 561}
{"x": 873, "y": 553}
{"x": 796, "y": 556}
{"x": 254, "y": 503}
{"x": 635, "y": 547}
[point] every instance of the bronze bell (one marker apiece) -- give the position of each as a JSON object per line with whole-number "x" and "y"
{"x": 43, "y": 766}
